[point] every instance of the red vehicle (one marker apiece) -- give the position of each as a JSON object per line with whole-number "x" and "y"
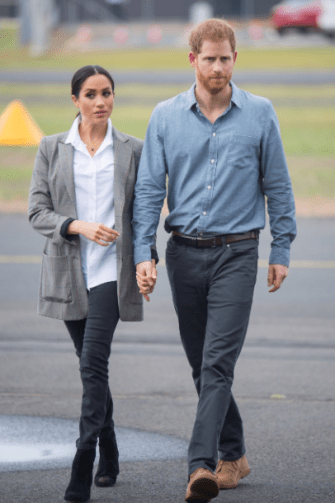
{"x": 301, "y": 14}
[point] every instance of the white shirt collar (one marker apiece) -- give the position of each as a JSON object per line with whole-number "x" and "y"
{"x": 74, "y": 137}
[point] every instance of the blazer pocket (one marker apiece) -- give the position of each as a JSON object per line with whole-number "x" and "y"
{"x": 56, "y": 285}
{"x": 243, "y": 151}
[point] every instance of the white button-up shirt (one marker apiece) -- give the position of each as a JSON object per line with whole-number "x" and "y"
{"x": 94, "y": 187}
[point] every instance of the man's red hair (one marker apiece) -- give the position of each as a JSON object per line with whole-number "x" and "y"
{"x": 214, "y": 30}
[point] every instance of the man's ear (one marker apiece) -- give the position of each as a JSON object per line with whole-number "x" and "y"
{"x": 192, "y": 59}
{"x": 235, "y": 56}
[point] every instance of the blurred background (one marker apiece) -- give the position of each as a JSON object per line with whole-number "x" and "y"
{"x": 286, "y": 370}
{"x": 286, "y": 53}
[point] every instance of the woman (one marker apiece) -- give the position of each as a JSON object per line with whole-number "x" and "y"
{"x": 81, "y": 199}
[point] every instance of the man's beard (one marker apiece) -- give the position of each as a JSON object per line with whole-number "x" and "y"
{"x": 208, "y": 84}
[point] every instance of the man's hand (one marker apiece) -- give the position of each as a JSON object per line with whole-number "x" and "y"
{"x": 146, "y": 275}
{"x": 276, "y": 275}
{"x": 97, "y": 232}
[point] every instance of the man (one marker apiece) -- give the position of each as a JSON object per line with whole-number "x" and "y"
{"x": 221, "y": 151}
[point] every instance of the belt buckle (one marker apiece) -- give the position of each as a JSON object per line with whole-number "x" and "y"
{"x": 214, "y": 242}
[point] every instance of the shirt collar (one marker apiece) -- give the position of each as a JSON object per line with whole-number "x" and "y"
{"x": 190, "y": 97}
{"x": 235, "y": 97}
{"x": 74, "y": 137}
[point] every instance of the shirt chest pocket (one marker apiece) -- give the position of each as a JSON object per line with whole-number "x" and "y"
{"x": 243, "y": 151}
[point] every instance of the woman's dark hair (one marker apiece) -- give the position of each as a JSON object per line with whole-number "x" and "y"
{"x": 83, "y": 73}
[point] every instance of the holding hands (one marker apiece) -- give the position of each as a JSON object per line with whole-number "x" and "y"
{"x": 146, "y": 275}
{"x": 146, "y": 272}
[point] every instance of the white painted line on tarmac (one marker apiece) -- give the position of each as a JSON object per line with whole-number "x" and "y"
{"x": 20, "y": 259}
{"x": 303, "y": 264}
{"x": 262, "y": 263}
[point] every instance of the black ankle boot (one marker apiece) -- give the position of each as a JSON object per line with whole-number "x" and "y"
{"x": 79, "y": 488}
{"x": 108, "y": 468}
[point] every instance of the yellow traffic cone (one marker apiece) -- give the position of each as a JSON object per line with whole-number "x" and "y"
{"x": 17, "y": 127}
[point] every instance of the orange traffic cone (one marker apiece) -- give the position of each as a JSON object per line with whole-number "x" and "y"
{"x": 17, "y": 127}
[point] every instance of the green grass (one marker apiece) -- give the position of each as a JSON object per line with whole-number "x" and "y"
{"x": 293, "y": 92}
{"x": 50, "y": 91}
{"x": 15, "y": 172}
{"x": 167, "y": 59}
{"x": 318, "y": 58}
{"x": 312, "y": 176}
{"x": 8, "y": 39}
{"x": 15, "y": 57}
{"x": 308, "y": 129}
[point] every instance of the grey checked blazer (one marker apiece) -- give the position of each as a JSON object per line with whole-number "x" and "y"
{"x": 52, "y": 200}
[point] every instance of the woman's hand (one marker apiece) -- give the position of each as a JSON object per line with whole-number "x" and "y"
{"x": 99, "y": 233}
{"x": 146, "y": 276}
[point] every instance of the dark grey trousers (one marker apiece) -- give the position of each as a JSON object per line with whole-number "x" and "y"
{"x": 212, "y": 291}
{"x": 92, "y": 338}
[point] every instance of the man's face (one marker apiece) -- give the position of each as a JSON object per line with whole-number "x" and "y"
{"x": 214, "y": 65}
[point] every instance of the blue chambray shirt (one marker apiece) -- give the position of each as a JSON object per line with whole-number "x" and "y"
{"x": 219, "y": 175}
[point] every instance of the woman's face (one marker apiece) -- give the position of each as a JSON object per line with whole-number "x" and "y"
{"x": 95, "y": 100}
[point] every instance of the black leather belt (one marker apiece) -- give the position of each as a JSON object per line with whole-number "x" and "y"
{"x": 211, "y": 242}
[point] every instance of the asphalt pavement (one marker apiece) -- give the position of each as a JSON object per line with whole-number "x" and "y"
{"x": 180, "y": 77}
{"x": 284, "y": 381}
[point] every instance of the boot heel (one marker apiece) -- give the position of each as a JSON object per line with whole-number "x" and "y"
{"x": 79, "y": 488}
{"x": 108, "y": 468}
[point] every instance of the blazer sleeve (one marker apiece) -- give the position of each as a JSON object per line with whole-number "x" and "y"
{"x": 41, "y": 213}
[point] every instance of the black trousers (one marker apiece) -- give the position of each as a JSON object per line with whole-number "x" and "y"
{"x": 212, "y": 291}
{"x": 92, "y": 338}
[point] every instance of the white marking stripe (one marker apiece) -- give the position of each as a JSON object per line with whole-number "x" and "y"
{"x": 304, "y": 264}
{"x": 262, "y": 263}
{"x": 20, "y": 259}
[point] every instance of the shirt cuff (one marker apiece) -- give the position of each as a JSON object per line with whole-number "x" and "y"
{"x": 142, "y": 255}
{"x": 64, "y": 227}
{"x": 154, "y": 255}
{"x": 280, "y": 256}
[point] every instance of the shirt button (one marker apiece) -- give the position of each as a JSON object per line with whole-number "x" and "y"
{"x": 209, "y": 187}
{"x": 213, "y": 161}
{"x": 214, "y": 134}
{"x": 204, "y": 212}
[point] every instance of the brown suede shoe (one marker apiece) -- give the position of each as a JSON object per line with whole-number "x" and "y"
{"x": 230, "y": 472}
{"x": 203, "y": 486}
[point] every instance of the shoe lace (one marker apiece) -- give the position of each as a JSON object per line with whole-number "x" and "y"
{"x": 229, "y": 466}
